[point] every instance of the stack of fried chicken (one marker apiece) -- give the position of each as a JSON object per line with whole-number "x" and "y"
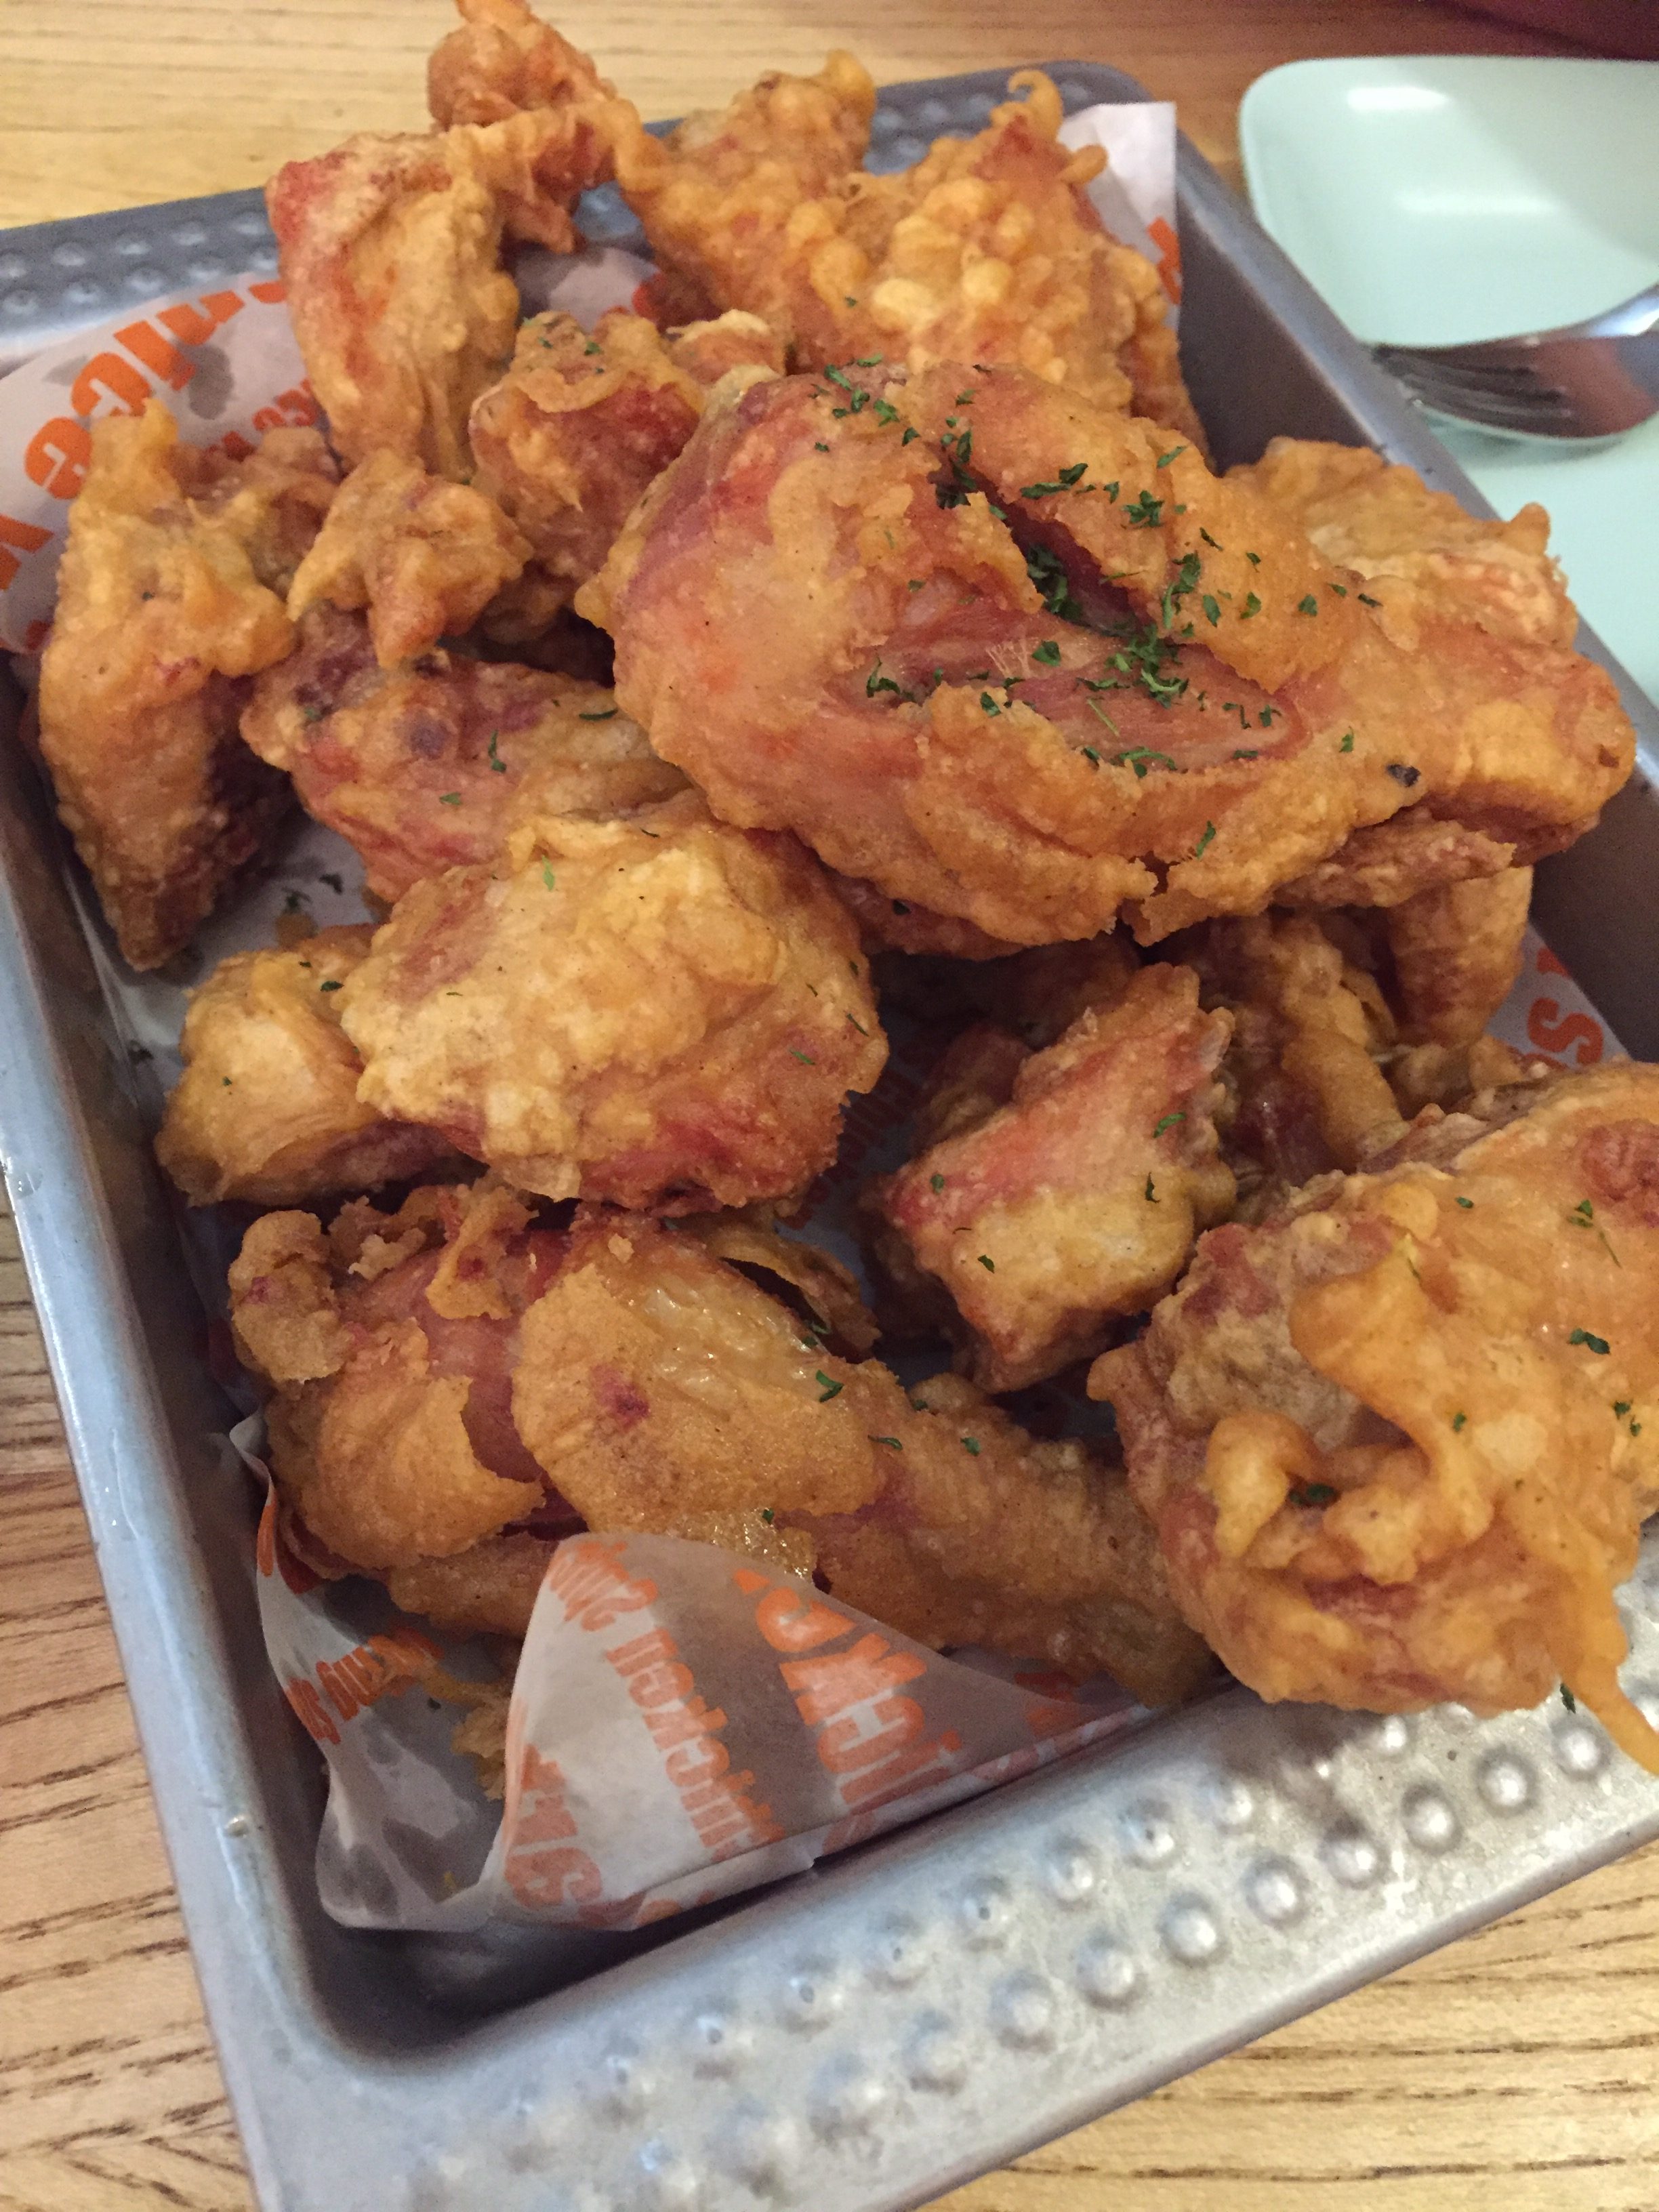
{"x": 1191, "y": 815}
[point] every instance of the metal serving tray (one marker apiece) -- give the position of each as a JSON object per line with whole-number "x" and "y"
{"x": 865, "y": 2036}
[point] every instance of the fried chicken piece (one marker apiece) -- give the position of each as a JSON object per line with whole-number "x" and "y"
{"x": 659, "y": 1012}
{"x": 1449, "y": 1076}
{"x": 581, "y": 423}
{"x": 1072, "y": 1200}
{"x": 720, "y": 197}
{"x": 390, "y": 249}
{"x": 272, "y": 501}
{"x": 1398, "y": 1441}
{"x": 266, "y": 1110}
{"x": 423, "y": 555}
{"x": 1310, "y": 1030}
{"x": 1418, "y": 547}
{"x": 824, "y": 646}
{"x": 488, "y": 1590}
{"x": 1456, "y": 953}
{"x": 388, "y": 1343}
{"x": 454, "y": 1389}
{"x": 162, "y": 610}
{"x": 502, "y": 59}
{"x": 663, "y": 1392}
{"x": 430, "y": 767}
{"x": 988, "y": 250}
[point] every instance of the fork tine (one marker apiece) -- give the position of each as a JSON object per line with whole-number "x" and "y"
{"x": 1431, "y": 375}
{"x": 1541, "y": 411}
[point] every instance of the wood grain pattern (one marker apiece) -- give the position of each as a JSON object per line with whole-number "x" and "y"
{"x": 1516, "y": 2070}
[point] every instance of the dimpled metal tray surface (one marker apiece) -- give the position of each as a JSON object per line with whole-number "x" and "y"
{"x": 865, "y": 2036}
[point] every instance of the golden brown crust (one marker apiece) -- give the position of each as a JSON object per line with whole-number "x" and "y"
{"x": 162, "y": 612}
{"x": 583, "y": 420}
{"x": 488, "y": 1590}
{"x": 501, "y": 59}
{"x": 664, "y": 1392}
{"x": 659, "y": 1012}
{"x": 266, "y": 1110}
{"x": 431, "y": 766}
{"x": 823, "y": 645}
{"x": 987, "y": 250}
{"x": 424, "y": 557}
{"x": 1456, "y": 953}
{"x": 391, "y": 249}
{"x": 1398, "y": 1441}
{"x": 387, "y": 1343}
{"x": 1415, "y": 546}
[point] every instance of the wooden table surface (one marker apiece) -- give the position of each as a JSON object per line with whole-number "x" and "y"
{"x": 1515, "y": 2069}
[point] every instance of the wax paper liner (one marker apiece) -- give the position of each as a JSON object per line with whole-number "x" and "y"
{"x": 684, "y": 1722}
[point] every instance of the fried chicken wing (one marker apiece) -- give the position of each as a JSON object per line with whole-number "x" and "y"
{"x": 1151, "y": 616}
{"x": 429, "y": 767}
{"x": 1398, "y": 1440}
{"x": 664, "y": 1392}
{"x": 162, "y": 612}
{"x": 581, "y": 423}
{"x": 266, "y": 1110}
{"x": 390, "y": 248}
{"x": 1072, "y": 1200}
{"x": 987, "y": 250}
{"x": 659, "y": 1012}
{"x": 1417, "y": 546}
{"x": 423, "y": 555}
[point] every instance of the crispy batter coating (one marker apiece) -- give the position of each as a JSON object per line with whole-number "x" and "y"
{"x": 720, "y": 197}
{"x": 390, "y": 248}
{"x": 1310, "y": 1029}
{"x": 453, "y": 1389}
{"x": 987, "y": 250}
{"x": 1398, "y": 1441}
{"x": 423, "y": 555}
{"x": 581, "y": 423}
{"x": 660, "y": 1012}
{"x": 1073, "y": 1199}
{"x": 388, "y": 1343}
{"x": 664, "y": 1392}
{"x": 164, "y": 603}
{"x": 488, "y": 1590}
{"x": 824, "y": 646}
{"x": 266, "y": 1110}
{"x": 501, "y": 59}
{"x": 1449, "y": 1076}
{"x": 430, "y": 767}
{"x": 1456, "y": 952}
{"x": 271, "y": 501}
{"x": 1415, "y": 546}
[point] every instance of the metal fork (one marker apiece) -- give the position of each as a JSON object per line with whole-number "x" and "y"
{"x": 1590, "y": 379}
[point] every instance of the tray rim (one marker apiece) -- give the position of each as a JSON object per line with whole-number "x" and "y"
{"x": 294, "y": 2082}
